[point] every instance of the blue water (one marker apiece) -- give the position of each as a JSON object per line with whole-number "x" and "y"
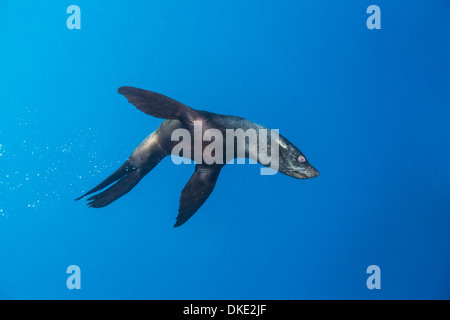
{"x": 369, "y": 108}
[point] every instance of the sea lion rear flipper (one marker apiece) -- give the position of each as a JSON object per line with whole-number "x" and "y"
{"x": 128, "y": 175}
{"x": 196, "y": 191}
{"x": 118, "y": 174}
{"x": 160, "y": 106}
{"x": 120, "y": 188}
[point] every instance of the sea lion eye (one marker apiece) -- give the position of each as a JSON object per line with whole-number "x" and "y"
{"x": 301, "y": 159}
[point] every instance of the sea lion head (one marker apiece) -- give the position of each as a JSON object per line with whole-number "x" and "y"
{"x": 293, "y": 162}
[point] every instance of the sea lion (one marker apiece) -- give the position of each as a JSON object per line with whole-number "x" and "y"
{"x": 290, "y": 160}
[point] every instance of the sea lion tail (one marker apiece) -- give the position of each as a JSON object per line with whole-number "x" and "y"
{"x": 126, "y": 176}
{"x": 119, "y": 173}
{"x": 120, "y": 188}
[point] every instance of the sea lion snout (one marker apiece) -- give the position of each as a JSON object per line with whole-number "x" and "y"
{"x": 313, "y": 172}
{"x": 303, "y": 173}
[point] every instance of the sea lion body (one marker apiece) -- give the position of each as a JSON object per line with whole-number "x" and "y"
{"x": 178, "y": 117}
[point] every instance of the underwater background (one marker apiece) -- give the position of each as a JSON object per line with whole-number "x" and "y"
{"x": 368, "y": 108}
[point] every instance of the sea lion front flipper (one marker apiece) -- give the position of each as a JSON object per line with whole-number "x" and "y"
{"x": 160, "y": 106}
{"x": 196, "y": 191}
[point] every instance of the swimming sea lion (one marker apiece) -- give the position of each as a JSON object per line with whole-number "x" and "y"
{"x": 160, "y": 144}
